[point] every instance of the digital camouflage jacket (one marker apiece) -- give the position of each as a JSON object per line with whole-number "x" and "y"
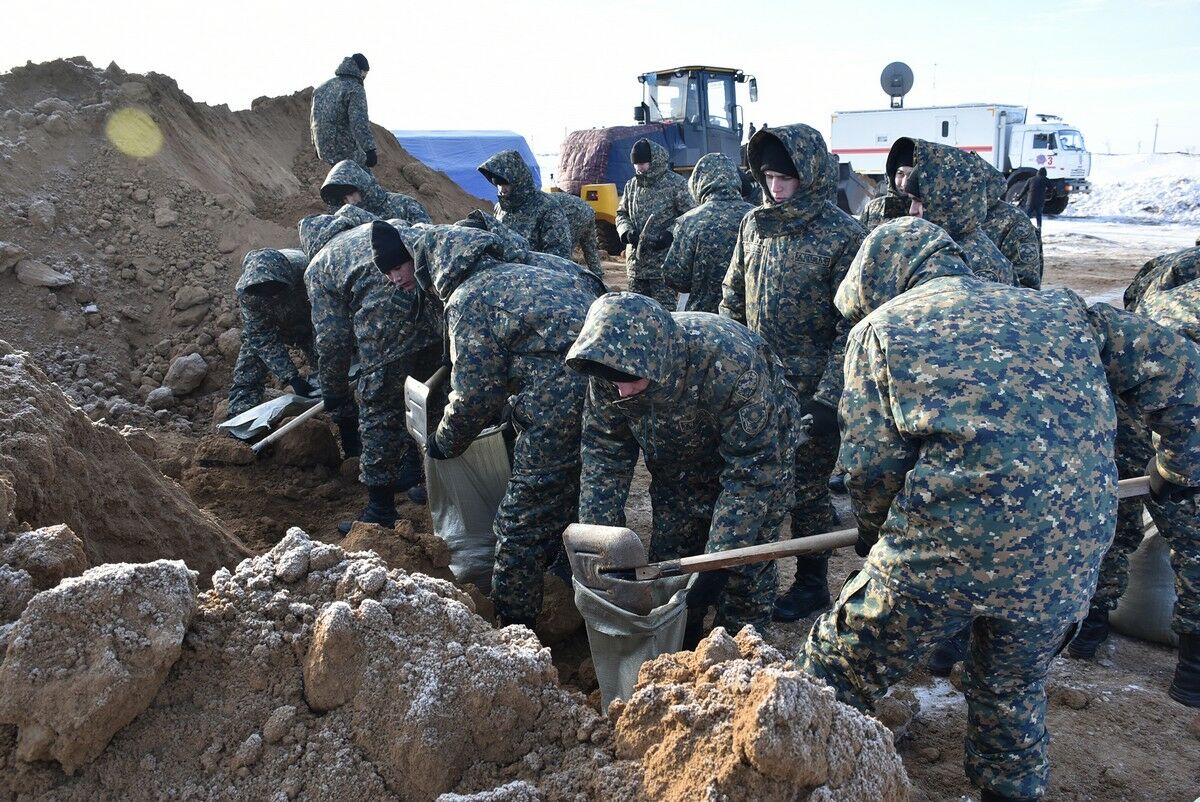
{"x": 271, "y": 323}
{"x": 526, "y": 209}
{"x": 346, "y": 176}
{"x": 341, "y": 127}
{"x": 660, "y": 192}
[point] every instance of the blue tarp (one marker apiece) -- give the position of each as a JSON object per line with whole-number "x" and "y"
{"x": 458, "y": 154}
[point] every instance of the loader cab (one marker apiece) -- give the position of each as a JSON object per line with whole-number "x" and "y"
{"x": 698, "y": 108}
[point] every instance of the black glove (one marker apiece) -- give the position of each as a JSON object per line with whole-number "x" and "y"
{"x": 433, "y": 449}
{"x": 630, "y": 237}
{"x": 662, "y": 239}
{"x": 862, "y": 546}
{"x": 301, "y": 387}
{"x": 348, "y": 434}
{"x": 334, "y": 402}
{"x": 707, "y": 588}
{"x": 823, "y": 418}
{"x": 370, "y": 159}
{"x": 1163, "y": 490}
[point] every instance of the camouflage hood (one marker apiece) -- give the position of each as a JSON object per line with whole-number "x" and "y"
{"x": 318, "y": 229}
{"x": 349, "y": 69}
{"x": 347, "y": 176}
{"x": 630, "y": 333}
{"x": 267, "y": 264}
{"x": 949, "y": 186}
{"x": 896, "y": 257}
{"x": 715, "y": 177}
{"x": 660, "y": 164}
{"x": 451, "y": 254}
{"x": 814, "y": 166}
{"x": 992, "y": 180}
{"x": 509, "y": 167}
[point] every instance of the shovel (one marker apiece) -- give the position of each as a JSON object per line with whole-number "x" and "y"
{"x": 612, "y": 562}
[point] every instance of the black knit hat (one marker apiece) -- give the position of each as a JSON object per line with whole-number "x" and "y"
{"x": 773, "y": 156}
{"x": 362, "y": 62}
{"x": 387, "y": 248}
{"x": 641, "y": 152}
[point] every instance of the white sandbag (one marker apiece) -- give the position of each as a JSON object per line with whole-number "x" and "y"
{"x": 1145, "y": 610}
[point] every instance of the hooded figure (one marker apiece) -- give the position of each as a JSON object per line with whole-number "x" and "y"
{"x": 717, "y": 424}
{"x": 1009, "y": 228}
{"x": 582, "y": 220}
{"x": 1163, "y": 273}
{"x": 948, "y": 184}
{"x": 275, "y": 314}
{"x": 660, "y": 193}
{"x": 355, "y": 308}
{"x": 347, "y": 177}
{"x": 525, "y": 208}
{"x": 888, "y": 206}
{"x": 977, "y": 433}
{"x": 789, "y": 258}
{"x": 510, "y": 326}
{"x": 1178, "y": 309}
{"x": 341, "y": 128}
{"x": 512, "y": 247}
{"x": 705, "y": 236}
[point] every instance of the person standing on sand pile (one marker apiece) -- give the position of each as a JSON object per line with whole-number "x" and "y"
{"x": 705, "y": 236}
{"x": 655, "y": 190}
{"x": 1009, "y": 229}
{"x": 341, "y": 127}
{"x": 509, "y": 326}
{"x": 275, "y": 314}
{"x": 790, "y": 256}
{"x": 526, "y": 209}
{"x": 1177, "y": 309}
{"x": 354, "y": 307}
{"x": 708, "y": 405}
{"x": 582, "y": 220}
{"x": 348, "y": 183}
{"x": 989, "y": 509}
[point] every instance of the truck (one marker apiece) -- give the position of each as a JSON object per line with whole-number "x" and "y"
{"x": 1001, "y": 134}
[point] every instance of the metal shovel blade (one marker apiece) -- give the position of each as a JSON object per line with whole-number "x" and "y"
{"x": 593, "y": 549}
{"x": 416, "y": 409}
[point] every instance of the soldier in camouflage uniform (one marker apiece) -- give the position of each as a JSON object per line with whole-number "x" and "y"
{"x": 347, "y": 183}
{"x": 988, "y": 508}
{"x": 582, "y": 220}
{"x": 705, "y": 236}
{"x": 510, "y": 326}
{"x": 354, "y": 307}
{"x": 514, "y": 248}
{"x": 1010, "y": 230}
{"x": 525, "y": 208}
{"x": 892, "y": 204}
{"x": 341, "y": 127}
{"x": 275, "y": 314}
{"x": 790, "y": 256}
{"x": 950, "y": 194}
{"x": 1163, "y": 273}
{"x": 656, "y": 191}
{"x": 708, "y": 405}
{"x": 1177, "y": 309}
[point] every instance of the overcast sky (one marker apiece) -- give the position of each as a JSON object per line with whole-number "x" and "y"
{"x": 544, "y": 67}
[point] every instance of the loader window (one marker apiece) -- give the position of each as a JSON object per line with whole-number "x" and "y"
{"x": 668, "y": 98}
{"x": 720, "y": 102}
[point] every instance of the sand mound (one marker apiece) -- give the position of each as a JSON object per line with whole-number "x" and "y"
{"x": 64, "y": 468}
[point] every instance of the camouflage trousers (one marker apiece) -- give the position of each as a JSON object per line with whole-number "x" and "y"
{"x": 874, "y": 636}
{"x": 1179, "y": 525}
{"x": 542, "y": 498}
{"x": 388, "y": 452}
{"x": 250, "y": 376}
{"x": 657, "y": 289}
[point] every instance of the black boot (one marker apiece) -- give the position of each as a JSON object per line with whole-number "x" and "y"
{"x": 1185, "y": 687}
{"x": 380, "y": 509}
{"x": 992, "y": 796}
{"x": 1092, "y": 632}
{"x": 808, "y": 593}
{"x": 837, "y": 484}
{"x": 949, "y": 652}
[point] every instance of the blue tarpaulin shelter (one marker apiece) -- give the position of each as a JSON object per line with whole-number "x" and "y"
{"x": 458, "y": 154}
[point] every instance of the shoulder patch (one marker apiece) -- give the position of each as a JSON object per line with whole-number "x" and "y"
{"x": 748, "y": 385}
{"x": 1027, "y": 252}
{"x": 753, "y": 417}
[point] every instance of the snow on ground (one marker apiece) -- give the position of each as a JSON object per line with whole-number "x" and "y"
{"x": 1147, "y": 188}
{"x": 548, "y": 164}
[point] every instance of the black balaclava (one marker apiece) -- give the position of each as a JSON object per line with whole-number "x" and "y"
{"x": 361, "y": 61}
{"x": 774, "y": 156}
{"x": 641, "y": 152}
{"x": 387, "y": 248}
{"x": 602, "y": 371}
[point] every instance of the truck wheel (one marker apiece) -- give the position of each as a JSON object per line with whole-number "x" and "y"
{"x": 1015, "y": 190}
{"x": 609, "y": 240}
{"x": 1056, "y": 205}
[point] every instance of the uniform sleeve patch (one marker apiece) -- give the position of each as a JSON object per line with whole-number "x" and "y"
{"x": 748, "y": 385}
{"x": 752, "y": 418}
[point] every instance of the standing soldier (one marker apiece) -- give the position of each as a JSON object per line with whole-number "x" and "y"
{"x": 1010, "y": 230}
{"x": 705, "y": 236}
{"x": 510, "y": 326}
{"x": 348, "y": 183}
{"x": 990, "y": 509}
{"x": 654, "y": 191}
{"x": 790, "y": 256}
{"x": 526, "y": 209}
{"x": 354, "y": 307}
{"x": 947, "y": 191}
{"x": 707, "y": 403}
{"x": 892, "y": 204}
{"x": 582, "y": 220}
{"x": 275, "y": 314}
{"x": 341, "y": 128}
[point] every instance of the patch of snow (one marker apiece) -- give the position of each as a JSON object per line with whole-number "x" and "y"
{"x": 1153, "y": 188}
{"x": 937, "y": 697}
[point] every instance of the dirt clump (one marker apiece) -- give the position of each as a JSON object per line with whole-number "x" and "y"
{"x": 48, "y": 555}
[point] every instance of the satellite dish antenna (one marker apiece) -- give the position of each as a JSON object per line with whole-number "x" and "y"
{"x": 897, "y": 81}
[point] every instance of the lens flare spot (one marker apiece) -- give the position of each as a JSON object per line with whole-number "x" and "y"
{"x": 134, "y": 133}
